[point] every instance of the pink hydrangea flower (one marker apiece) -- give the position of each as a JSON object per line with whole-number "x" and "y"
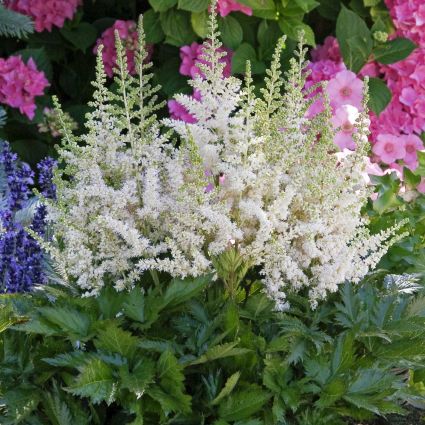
{"x": 329, "y": 50}
{"x": 191, "y": 56}
{"x": 409, "y": 18}
{"x": 344, "y": 119}
{"x": 345, "y": 88}
{"x": 20, "y": 83}
{"x": 389, "y": 148}
{"x": 127, "y": 31}
{"x": 225, "y": 7}
{"x": 45, "y": 13}
{"x": 412, "y": 144}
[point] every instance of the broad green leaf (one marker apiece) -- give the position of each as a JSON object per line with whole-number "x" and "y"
{"x": 177, "y": 27}
{"x": 259, "y": 4}
{"x": 329, "y": 9}
{"x": 200, "y": 23}
{"x": 354, "y": 39}
{"x": 134, "y": 307}
{"x": 410, "y": 178}
{"x": 331, "y": 393}
{"x": 139, "y": 378}
{"x": 228, "y": 388}
{"x": 393, "y": 50}
{"x": 170, "y": 391}
{"x": 193, "y": 5}
{"x": 82, "y": 36}
{"x": 386, "y": 201}
{"x": 152, "y": 27}
{"x": 245, "y": 52}
{"x": 71, "y": 321}
{"x": 40, "y": 58}
{"x": 19, "y": 404}
{"x": 243, "y": 404}
{"x": 116, "y": 340}
{"x": 379, "y": 95}
{"x": 307, "y": 5}
{"x": 228, "y": 349}
{"x": 180, "y": 291}
{"x": 292, "y": 27}
{"x": 231, "y": 32}
{"x": 343, "y": 355}
{"x": 162, "y": 5}
{"x": 268, "y": 34}
{"x": 110, "y": 302}
{"x": 95, "y": 382}
{"x": 75, "y": 359}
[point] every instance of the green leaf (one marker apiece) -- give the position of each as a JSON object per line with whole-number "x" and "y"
{"x": 343, "y": 354}
{"x": 152, "y": 27}
{"x": 40, "y": 58}
{"x": 95, "y": 381}
{"x": 379, "y": 95}
{"x": 307, "y": 5}
{"x": 177, "y": 28}
{"x": 81, "y": 36}
{"x": 220, "y": 351}
{"x": 179, "y": 291}
{"x": 134, "y": 308}
{"x": 68, "y": 320}
{"x": 393, "y": 50}
{"x": 170, "y": 392}
{"x": 354, "y": 39}
{"x": 139, "y": 378}
{"x": 162, "y": 5}
{"x": 200, "y": 23}
{"x": 228, "y": 388}
{"x": 231, "y": 32}
{"x": 410, "y": 178}
{"x": 193, "y": 5}
{"x": 116, "y": 340}
{"x": 3, "y": 117}
{"x": 245, "y": 52}
{"x": 259, "y": 4}
{"x": 292, "y": 28}
{"x": 243, "y": 404}
{"x": 268, "y": 35}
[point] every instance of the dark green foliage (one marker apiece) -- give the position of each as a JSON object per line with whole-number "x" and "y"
{"x": 179, "y": 353}
{"x": 14, "y": 24}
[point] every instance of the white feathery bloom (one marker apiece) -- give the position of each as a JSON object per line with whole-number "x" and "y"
{"x": 253, "y": 176}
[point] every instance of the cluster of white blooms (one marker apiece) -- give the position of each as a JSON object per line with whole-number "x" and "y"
{"x": 253, "y": 176}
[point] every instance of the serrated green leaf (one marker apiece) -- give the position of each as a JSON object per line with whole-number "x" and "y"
{"x": 393, "y": 50}
{"x": 354, "y": 39}
{"x": 95, "y": 382}
{"x": 200, "y": 23}
{"x": 245, "y": 52}
{"x": 82, "y": 36}
{"x": 116, "y": 340}
{"x": 162, "y": 5}
{"x": 140, "y": 376}
{"x": 13, "y": 24}
{"x": 193, "y": 5}
{"x": 134, "y": 307}
{"x": 152, "y": 27}
{"x": 228, "y": 388}
{"x": 228, "y": 349}
{"x": 180, "y": 291}
{"x": 243, "y": 404}
{"x": 76, "y": 359}
{"x": 177, "y": 27}
{"x": 70, "y": 321}
{"x": 231, "y": 32}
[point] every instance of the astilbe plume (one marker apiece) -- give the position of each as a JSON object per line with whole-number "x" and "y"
{"x": 46, "y": 13}
{"x": 21, "y": 257}
{"x": 252, "y": 179}
{"x": 127, "y": 31}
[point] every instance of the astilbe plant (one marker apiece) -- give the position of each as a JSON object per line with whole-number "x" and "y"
{"x": 253, "y": 184}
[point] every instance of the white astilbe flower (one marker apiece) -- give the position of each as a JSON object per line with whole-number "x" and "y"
{"x": 253, "y": 183}
{"x": 295, "y": 201}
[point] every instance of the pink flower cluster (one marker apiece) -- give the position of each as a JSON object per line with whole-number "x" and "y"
{"x": 20, "y": 83}
{"x": 191, "y": 57}
{"x": 395, "y": 132}
{"x": 225, "y": 7}
{"x": 127, "y": 31}
{"x": 409, "y": 18}
{"x": 45, "y": 13}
